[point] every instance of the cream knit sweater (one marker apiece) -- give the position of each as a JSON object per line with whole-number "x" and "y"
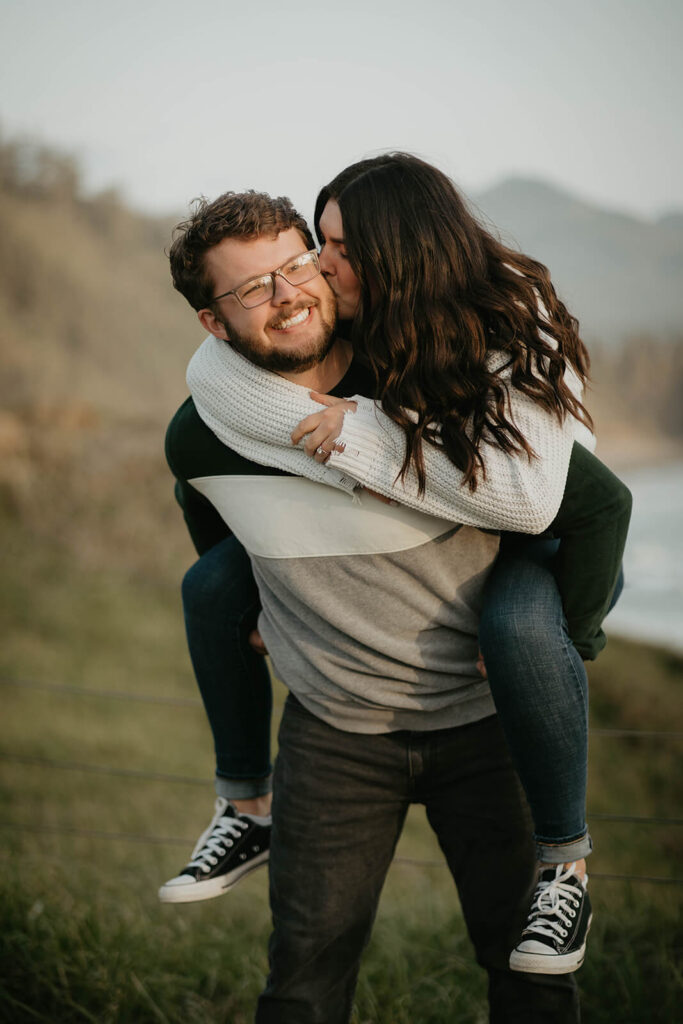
{"x": 254, "y": 411}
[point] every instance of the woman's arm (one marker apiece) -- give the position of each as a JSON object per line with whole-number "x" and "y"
{"x": 516, "y": 493}
{"x": 254, "y": 412}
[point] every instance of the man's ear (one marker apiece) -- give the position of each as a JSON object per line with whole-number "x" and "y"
{"x": 211, "y": 324}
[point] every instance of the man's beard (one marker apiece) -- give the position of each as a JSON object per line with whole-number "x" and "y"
{"x": 290, "y": 360}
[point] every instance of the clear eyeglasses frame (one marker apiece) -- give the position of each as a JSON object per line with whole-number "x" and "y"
{"x": 297, "y": 270}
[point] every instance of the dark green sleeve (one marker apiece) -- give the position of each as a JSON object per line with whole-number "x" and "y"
{"x": 186, "y": 446}
{"x": 192, "y": 451}
{"x": 591, "y": 524}
{"x": 204, "y": 524}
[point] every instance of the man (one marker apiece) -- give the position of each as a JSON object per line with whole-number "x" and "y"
{"x": 369, "y": 612}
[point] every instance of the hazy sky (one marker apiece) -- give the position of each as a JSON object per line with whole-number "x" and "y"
{"x": 170, "y": 98}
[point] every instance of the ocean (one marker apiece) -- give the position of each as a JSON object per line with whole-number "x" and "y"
{"x": 651, "y": 605}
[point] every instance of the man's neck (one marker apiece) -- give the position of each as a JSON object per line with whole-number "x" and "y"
{"x": 327, "y": 374}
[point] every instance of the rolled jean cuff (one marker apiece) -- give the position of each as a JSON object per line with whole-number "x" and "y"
{"x": 243, "y": 789}
{"x": 563, "y": 853}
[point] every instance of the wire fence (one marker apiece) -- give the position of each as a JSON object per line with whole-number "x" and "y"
{"x": 195, "y": 702}
{"x": 189, "y": 780}
{"x": 166, "y": 777}
{"x": 132, "y": 837}
{"x": 83, "y": 691}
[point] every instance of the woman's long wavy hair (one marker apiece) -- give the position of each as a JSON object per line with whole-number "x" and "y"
{"x": 439, "y": 296}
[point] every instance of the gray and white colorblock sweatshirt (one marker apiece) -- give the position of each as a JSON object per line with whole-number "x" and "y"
{"x": 369, "y": 611}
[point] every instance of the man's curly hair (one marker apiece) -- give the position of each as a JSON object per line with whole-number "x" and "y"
{"x": 244, "y": 215}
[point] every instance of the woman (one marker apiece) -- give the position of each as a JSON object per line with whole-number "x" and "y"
{"x": 471, "y": 338}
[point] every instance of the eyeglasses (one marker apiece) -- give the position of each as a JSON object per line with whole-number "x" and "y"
{"x": 298, "y": 270}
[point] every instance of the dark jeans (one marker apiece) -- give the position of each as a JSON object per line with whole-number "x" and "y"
{"x": 340, "y": 800}
{"x": 221, "y": 602}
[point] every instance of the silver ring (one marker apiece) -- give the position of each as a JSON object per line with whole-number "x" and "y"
{"x": 321, "y": 451}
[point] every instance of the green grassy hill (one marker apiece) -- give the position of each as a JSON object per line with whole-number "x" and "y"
{"x": 89, "y": 832}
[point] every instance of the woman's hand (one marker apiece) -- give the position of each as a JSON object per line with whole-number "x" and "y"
{"x": 256, "y": 642}
{"x": 321, "y": 429}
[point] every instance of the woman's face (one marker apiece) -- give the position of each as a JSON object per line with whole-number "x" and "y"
{"x": 334, "y": 262}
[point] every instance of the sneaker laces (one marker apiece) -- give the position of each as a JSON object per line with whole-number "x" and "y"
{"x": 554, "y": 905}
{"x": 216, "y": 844}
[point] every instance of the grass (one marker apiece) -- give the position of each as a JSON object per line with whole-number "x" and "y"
{"x": 83, "y": 936}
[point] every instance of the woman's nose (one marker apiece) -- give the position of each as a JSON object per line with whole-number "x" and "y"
{"x": 326, "y": 264}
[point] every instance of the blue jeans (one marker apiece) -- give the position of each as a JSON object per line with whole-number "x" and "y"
{"x": 221, "y": 604}
{"x": 540, "y": 688}
{"x": 339, "y": 804}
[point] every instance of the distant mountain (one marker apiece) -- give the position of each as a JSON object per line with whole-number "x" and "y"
{"x": 619, "y": 274}
{"x": 672, "y": 220}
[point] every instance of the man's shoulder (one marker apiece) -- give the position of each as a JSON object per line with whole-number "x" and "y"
{"x": 193, "y": 450}
{"x": 186, "y": 418}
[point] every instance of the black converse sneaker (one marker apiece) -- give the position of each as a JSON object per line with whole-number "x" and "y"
{"x": 232, "y": 846}
{"x": 554, "y": 937}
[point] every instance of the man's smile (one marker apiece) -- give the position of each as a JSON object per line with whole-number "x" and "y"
{"x": 295, "y": 320}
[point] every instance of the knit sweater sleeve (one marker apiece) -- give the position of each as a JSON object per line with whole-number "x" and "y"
{"x": 255, "y": 412}
{"x": 516, "y": 493}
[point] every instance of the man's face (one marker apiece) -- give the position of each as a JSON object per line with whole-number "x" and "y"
{"x": 291, "y": 332}
{"x": 334, "y": 262}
